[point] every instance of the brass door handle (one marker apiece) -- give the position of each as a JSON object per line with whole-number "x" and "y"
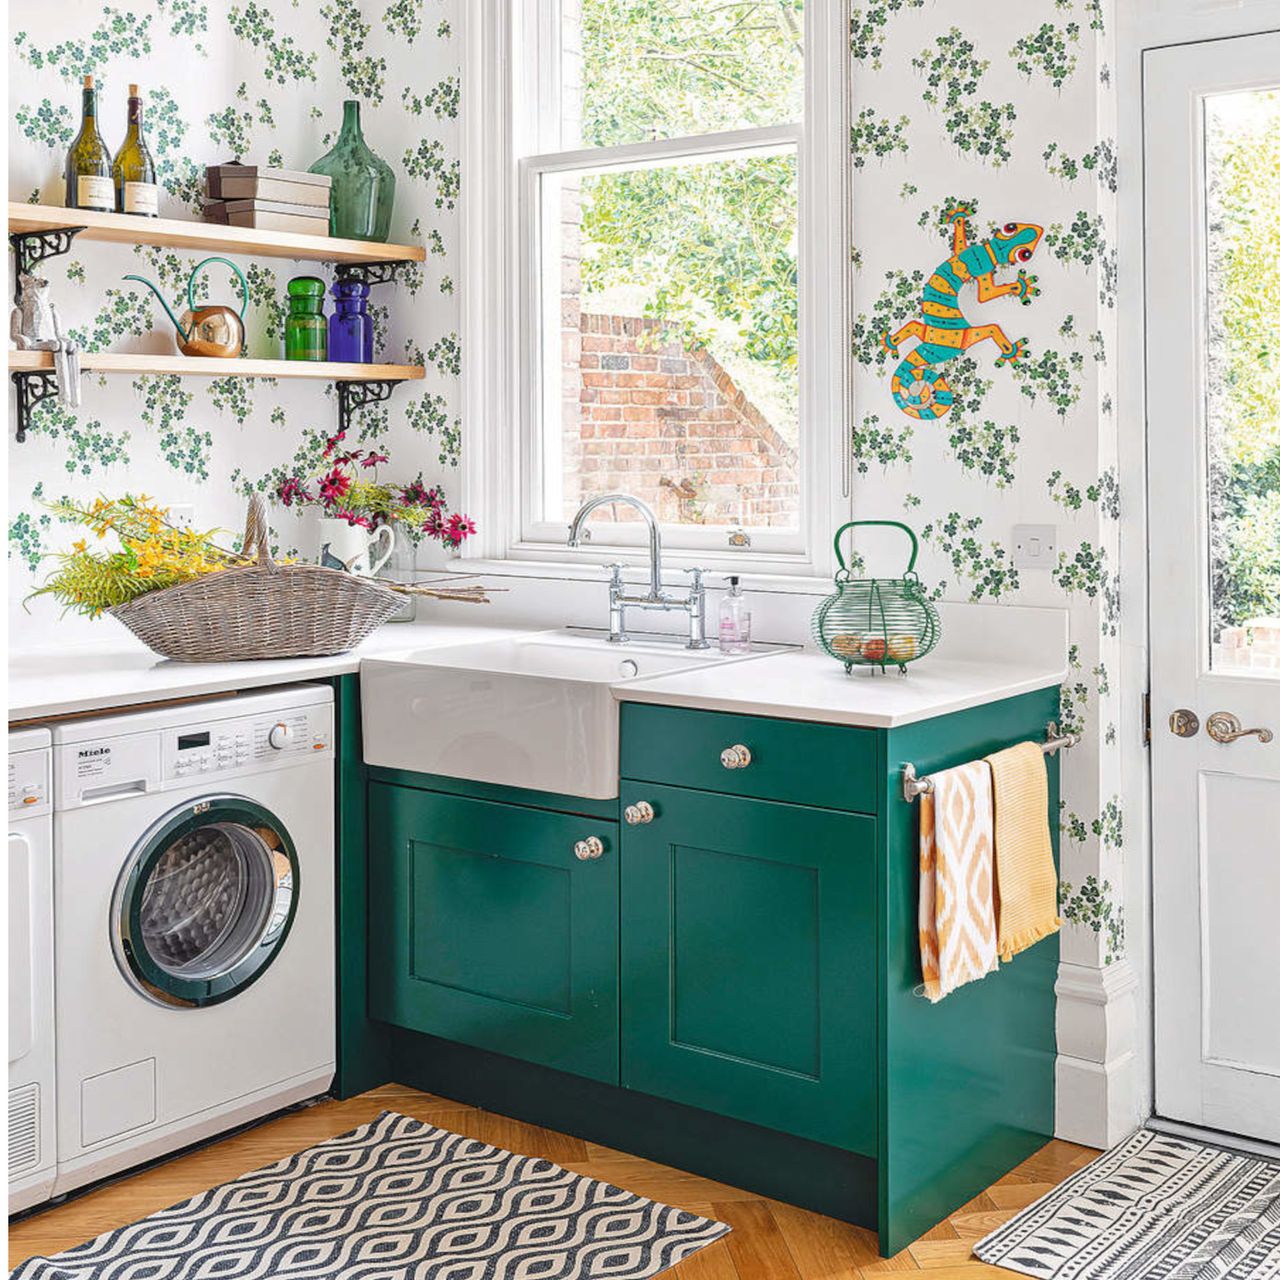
{"x": 1224, "y": 727}
{"x": 1184, "y": 723}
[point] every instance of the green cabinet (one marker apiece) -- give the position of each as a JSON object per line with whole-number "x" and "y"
{"x": 491, "y": 929}
{"x": 748, "y": 962}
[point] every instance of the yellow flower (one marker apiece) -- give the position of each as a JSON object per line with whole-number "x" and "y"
{"x": 78, "y": 545}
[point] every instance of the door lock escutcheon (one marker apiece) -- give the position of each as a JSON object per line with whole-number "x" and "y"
{"x": 1184, "y": 723}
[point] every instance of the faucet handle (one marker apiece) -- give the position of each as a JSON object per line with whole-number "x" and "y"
{"x": 695, "y": 578}
{"x": 615, "y": 573}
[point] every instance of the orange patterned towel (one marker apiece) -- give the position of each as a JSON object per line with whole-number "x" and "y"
{"x": 1026, "y": 880}
{"x": 957, "y": 902}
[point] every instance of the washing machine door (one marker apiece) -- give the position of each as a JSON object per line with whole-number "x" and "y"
{"x": 205, "y": 902}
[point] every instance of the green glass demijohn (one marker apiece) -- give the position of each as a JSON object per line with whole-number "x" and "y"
{"x": 306, "y": 331}
{"x": 364, "y": 186}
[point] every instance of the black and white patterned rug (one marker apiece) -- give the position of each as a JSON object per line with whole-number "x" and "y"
{"x": 1153, "y": 1208}
{"x": 395, "y": 1200}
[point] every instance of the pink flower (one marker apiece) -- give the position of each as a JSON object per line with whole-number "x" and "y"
{"x": 351, "y": 518}
{"x": 372, "y": 459}
{"x": 434, "y": 525}
{"x": 460, "y": 527}
{"x": 334, "y": 486}
{"x": 332, "y": 442}
{"x": 293, "y": 490}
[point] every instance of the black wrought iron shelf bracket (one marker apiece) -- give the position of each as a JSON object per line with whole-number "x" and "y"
{"x": 31, "y": 386}
{"x": 370, "y": 273}
{"x": 31, "y": 248}
{"x": 355, "y": 395}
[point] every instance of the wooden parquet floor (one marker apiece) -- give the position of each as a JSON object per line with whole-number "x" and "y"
{"x": 769, "y": 1241}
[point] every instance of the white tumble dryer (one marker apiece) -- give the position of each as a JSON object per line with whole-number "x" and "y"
{"x": 32, "y": 1144}
{"x": 194, "y": 911}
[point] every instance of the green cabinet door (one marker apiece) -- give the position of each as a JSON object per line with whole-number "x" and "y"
{"x": 749, "y": 962}
{"x": 488, "y": 929}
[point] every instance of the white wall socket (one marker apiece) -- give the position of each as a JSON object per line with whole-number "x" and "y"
{"x": 182, "y": 515}
{"x": 1035, "y": 546}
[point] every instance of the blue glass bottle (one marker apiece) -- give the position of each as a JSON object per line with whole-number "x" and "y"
{"x": 350, "y": 325}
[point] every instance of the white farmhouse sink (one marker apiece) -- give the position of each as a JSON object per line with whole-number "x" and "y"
{"x": 535, "y": 711}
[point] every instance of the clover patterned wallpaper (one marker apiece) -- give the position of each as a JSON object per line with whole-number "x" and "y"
{"x": 263, "y": 80}
{"x": 1007, "y": 109}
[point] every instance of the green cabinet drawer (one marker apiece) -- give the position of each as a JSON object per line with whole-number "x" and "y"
{"x": 833, "y": 766}
{"x": 749, "y": 962}
{"x": 488, "y": 929}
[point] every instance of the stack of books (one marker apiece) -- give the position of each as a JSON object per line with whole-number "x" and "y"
{"x": 248, "y": 195}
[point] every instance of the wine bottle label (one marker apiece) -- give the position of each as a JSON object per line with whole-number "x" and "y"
{"x": 95, "y": 192}
{"x": 141, "y": 197}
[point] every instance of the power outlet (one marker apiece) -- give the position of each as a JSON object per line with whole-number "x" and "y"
{"x": 1035, "y": 546}
{"x": 182, "y": 515}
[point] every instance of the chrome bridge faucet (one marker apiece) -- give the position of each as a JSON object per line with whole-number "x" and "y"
{"x": 694, "y": 604}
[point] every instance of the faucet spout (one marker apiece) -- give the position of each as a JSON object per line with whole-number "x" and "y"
{"x": 646, "y": 514}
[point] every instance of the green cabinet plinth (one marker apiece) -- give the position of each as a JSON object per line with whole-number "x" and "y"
{"x": 748, "y": 962}
{"x": 492, "y": 931}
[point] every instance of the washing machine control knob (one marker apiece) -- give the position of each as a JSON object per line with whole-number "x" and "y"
{"x": 280, "y": 736}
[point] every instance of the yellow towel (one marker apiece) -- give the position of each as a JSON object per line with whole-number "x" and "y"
{"x": 1026, "y": 881}
{"x": 957, "y": 900}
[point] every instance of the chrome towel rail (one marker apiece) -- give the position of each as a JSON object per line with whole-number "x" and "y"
{"x": 1054, "y": 740}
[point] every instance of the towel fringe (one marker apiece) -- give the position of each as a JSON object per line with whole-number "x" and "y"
{"x": 1009, "y": 947}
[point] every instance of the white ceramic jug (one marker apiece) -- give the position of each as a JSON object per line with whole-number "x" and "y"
{"x": 350, "y": 547}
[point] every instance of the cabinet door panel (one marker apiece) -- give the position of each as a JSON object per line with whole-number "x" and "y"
{"x": 748, "y": 962}
{"x": 486, "y": 929}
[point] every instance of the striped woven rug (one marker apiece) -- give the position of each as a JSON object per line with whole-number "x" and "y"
{"x": 394, "y": 1200}
{"x": 1153, "y": 1208}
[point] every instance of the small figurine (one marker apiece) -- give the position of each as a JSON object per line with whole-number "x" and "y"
{"x": 33, "y": 326}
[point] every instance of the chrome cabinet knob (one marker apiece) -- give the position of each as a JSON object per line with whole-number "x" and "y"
{"x": 1184, "y": 723}
{"x": 735, "y": 757}
{"x": 1224, "y": 727}
{"x": 588, "y": 850}
{"x": 638, "y": 814}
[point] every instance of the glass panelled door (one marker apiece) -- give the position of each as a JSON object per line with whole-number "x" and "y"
{"x": 1212, "y": 184}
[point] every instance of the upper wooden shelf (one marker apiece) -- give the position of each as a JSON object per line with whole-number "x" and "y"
{"x": 194, "y": 366}
{"x": 123, "y": 228}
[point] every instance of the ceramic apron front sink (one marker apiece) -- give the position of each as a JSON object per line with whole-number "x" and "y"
{"x": 536, "y": 711}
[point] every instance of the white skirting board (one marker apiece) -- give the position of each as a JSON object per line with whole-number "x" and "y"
{"x": 1097, "y": 1095}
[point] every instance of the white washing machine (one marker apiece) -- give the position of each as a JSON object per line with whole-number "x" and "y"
{"x": 32, "y": 1143}
{"x": 194, "y": 913}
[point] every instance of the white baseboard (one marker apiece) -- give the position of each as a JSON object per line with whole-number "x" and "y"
{"x": 1096, "y": 1070}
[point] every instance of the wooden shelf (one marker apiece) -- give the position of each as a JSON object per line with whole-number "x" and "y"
{"x": 123, "y": 228}
{"x": 194, "y": 367}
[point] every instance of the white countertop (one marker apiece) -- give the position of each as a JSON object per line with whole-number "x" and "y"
{"x": 121, "y": 672}
{"x": 811, "y": 686}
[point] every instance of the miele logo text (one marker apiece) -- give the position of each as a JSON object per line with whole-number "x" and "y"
{"x": 86, "y": 752}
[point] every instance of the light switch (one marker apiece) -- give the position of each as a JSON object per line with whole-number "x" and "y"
{"x": 1035, "y": 546}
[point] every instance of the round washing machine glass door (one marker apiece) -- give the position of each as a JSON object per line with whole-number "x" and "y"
{"x": 205, "y": 902}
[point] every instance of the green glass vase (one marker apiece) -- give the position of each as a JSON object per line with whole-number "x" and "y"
{"x": 364, "y": 186}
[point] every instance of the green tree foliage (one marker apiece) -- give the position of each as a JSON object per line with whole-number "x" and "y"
{"x": 1244, "y": 143}
{"x": 710, "y": 248}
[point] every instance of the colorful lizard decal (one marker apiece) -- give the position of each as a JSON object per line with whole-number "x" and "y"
{"x": 919, "y": 389}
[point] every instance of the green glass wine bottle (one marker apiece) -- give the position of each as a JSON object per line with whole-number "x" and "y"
{"x": 89, "y": 184}
{"x": 133, "y": 171}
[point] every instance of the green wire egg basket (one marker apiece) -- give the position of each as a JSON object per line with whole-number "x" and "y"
{"x": 876, "y": 622}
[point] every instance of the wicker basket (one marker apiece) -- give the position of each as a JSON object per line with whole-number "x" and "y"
{"x": 876, "y": 622}
{"x": 262, "y": 610}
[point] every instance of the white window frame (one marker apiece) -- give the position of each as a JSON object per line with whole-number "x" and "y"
{"x": 510, "y": 106}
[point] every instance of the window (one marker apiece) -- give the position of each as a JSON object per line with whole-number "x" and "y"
{"x": 678, "y": 275}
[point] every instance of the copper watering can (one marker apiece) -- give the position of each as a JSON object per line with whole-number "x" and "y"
{"x": 209, "y": 330}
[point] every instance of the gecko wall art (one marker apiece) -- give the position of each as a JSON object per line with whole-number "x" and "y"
{"x": 942, "y": 332}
